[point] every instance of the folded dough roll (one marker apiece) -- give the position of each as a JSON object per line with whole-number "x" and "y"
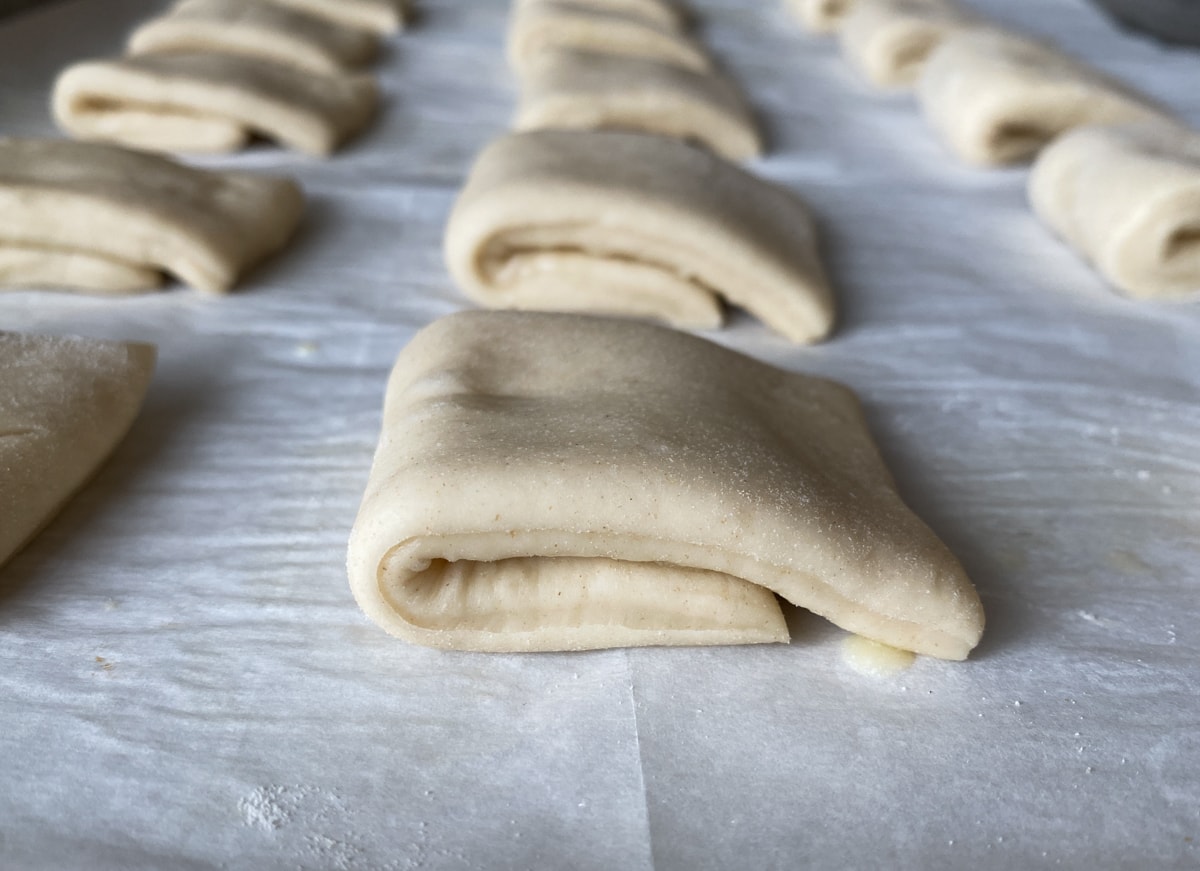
{"x": 1128, "y": 199}
{"x": 821, "y": 16}
{"x": 663, "y": 12}
{"x": 549, "y": 25}
{"x": 65, "y": 404}
{"x": 107, "y": 219}
{"x": 572, "y": 90}
{"x": 257, "y": 29}
{"x": 626, "y": 223}
{"x": 547, "y": 482}
{"x": 889, "y": 40}
{"x": 200, "y": 102}
{"x": 999, "y": 98}
{"x": 381, "y": 17}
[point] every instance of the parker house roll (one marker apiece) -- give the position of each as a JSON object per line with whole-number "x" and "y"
{"x": 889, "y": 40}
{"x": 632, "y": 224}
{"x": 553, "y": 25}
{"x": 258, "y": 29}
{"x": 571, "y": 90}
{"x": 995, "y": 97}
{"x": 105, "y": 219}
{"x": 1128, "y": 199}
{"x": 204, "y": 102}
{"x": 821, "y": 16}
{"x": 563, "y": 482}
{"x": 65, "y": 404}
{"x": 381, "y": 17}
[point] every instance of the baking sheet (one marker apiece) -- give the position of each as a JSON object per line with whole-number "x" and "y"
{"x": 185, "y": 681}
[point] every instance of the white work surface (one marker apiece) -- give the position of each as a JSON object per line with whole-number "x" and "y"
{"x": 186, "y": 682}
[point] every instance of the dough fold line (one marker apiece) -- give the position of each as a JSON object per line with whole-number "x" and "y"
{"x": 547, "y": 482}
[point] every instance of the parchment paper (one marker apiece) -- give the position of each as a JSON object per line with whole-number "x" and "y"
{"x": 186, "y": 683}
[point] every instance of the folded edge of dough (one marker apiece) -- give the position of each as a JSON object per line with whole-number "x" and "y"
{"x": 513, "y": 438}
{"x": 381, "y": 17}
{"x": 995, "y": 97}
{"x": 259, "y": 29}
{"x": 65, "y": 404}
{"x": 1128, "y": 199}
{"x": 198, "y": 102}
{"x": 635, "y": 224}
{"x": 204, "y": 226}
{"x": 888, "y": 41}
{"x": 571, "y": 90}
{"x": 555, "y": 26}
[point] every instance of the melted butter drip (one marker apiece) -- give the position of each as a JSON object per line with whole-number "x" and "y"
{"x": 872, "y": 658}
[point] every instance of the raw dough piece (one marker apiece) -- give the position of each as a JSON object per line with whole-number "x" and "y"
{"x": 377, "y": 16}
{"x": 889, "y": 40}
{"x": 257, "y": 29}
{"x": 627, "y": 223}
{"x": 999, "y": 98}
{"x": 102, "y": 218}
{"x": 586, "y": 91}
{"x": 210, "y": 102}
{"x": 65, "y": 404}
{"x": 555, "y": 26}
{"x": 549, "y": 482}
{"x": 821, "y": 16}
{"x": 1127, "y": 198}
{"x": 660, "y": 12}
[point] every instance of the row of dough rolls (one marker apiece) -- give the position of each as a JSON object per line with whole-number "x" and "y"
{"x": 1115, "y": 175}
{"x": 564, "y": 482}
{"x": 210, "y": 75}
{"x": 618, "y": 193}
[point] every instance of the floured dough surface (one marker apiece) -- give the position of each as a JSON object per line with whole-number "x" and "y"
{"x": 549, "y": 482}
{"x": 65, "y": 404}
{"x": 376, "y": 16}
{"x": 627, "y": 223}
{"x": 262, "y": 30}
{"x": 1127, "y": 198}
{"x": 996, "y": 97}
{"x": 202, "y": 226}
{"x": 198, "y": 102}
{"x": 588, "y": 91}
{"x": 889, "y": 40}
{"x": 550, "y": 25}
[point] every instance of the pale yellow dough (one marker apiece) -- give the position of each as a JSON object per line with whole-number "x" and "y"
{"x": 821, "y": 16}
{"x": 889, "y": 40}
{"x": 65, "y": 404}
{"x": 633, "y": 224}
{"x": 105, "y": 219}
{"x": 551, "y": 482}
{"x": 200, "y": 102}
{"x": 587, "y": 91}
{"x": 1128, "y": 199}
{"x": 996, "y": 98}
{"x": 257, "y": 29}
{"x": 376, "y": 16}
{"x": 662, "y": 12}
{"x": 549, "y": 25}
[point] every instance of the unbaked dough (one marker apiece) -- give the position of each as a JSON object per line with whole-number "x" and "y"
{"x": 999, "y": 98}
{"x": 821, "y": 16}
{"x": 889, "y": 40}
{"x": 1127, "y": 198}
{"x": 377, "y": 16}
{"x": 549, "y": 26}
{"x": 258, "y": 29}
{"x": 663, "y": 12}
{"x": 198, "y": 102}
{"x": 107, "y": 219}
{"x": 65, "y": 404}
{"x": 547, "y": 482}
{"x": 588, "y": 91}
{"x": 634, "y": 224}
